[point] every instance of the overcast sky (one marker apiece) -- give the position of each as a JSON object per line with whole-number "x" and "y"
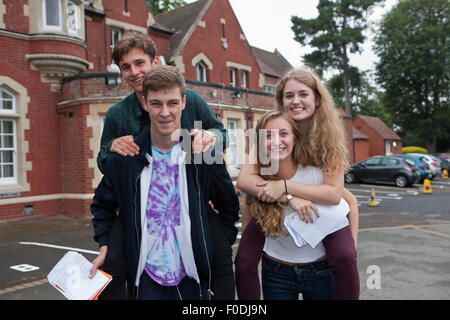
{"x": 267, "y": 25}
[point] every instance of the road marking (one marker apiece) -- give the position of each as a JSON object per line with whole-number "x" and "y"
{"x": 24, "y": 267}
{"x": 363, "y": 190}
{"x": 378, "y": 197}
{"x": 379, "y": 186}
{"x": 23, "y": 286}
{"x": 440, "y": 234}
{"x": 440, "y": 182}
{"x": 413, "y": 227}
{"x": 59, "y": 247}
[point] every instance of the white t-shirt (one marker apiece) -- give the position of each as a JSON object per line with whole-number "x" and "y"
{"x": 283, "y": 247}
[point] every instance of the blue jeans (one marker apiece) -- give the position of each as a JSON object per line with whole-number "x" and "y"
{"x": 284, "y": 282}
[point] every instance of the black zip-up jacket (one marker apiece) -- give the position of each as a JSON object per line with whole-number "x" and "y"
{"x": 120, "y": 189}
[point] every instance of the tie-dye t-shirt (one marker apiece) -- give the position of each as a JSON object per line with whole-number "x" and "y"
{"x": 164, "y": 264}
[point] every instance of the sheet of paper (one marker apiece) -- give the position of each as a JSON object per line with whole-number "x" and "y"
{"x": 331, "y": 219}
{"x": 70, "y": 276}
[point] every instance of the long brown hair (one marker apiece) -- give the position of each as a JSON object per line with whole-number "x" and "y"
{"x": 324, "y": 142}
{"x": 269, "y": 216}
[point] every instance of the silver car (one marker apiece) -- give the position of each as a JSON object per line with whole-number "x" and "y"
{"x": 432, "y": 162}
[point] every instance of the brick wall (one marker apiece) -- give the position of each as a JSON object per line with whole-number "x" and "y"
{"x": 376, "y": 143}
{"x": 137, "y": 13}
{"x": 347, "y": 122}
{"x": 360, "y": 149}
{"x": 14, "y": 18}
{"x": 97, "y": 52}
{"x": 161, "y": 41}
{"x": 224, "y": 95}
{"x": 57, "y": 47}
{"x": 92, "y": 86}
{"x": 40, "y": 209}
{"x": 75, "y": 136}
{"x": 207, "y": 40}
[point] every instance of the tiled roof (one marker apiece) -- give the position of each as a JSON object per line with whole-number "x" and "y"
{"x": 380, "y": 127}
{"x": 271, "y": 63}
{"x": 182, "y": 21}
{"x": 357, "y": 135}
{"x": 343, "y": 113}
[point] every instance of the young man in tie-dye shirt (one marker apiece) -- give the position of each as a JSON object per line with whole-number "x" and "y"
{"x": 163, "y": 197}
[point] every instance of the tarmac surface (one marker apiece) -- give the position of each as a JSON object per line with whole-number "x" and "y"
{"x": 401, "y": 256}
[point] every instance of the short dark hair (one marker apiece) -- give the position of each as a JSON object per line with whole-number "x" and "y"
{"x": 163, "y": 77}
{"x": 133, "y": 40}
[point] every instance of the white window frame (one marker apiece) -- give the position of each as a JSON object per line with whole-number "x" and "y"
{"x": 13, "y": 100}
{"x": 233, "y": 77}
{"x": 75, "y": 18}
{"x": 232, "y": 150}
{"x": 44, "y": 15}
{"x": 243, "y": 79}
{"x": 4, "y": 117}
{"x": 269, "y": 88}
{"x": 112, "y": 39}
{"x": 200, "y": 71}
{"x": 13, "y": 179}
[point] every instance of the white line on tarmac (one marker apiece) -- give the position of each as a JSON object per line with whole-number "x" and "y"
{"x": 393, "y": 198}
{"x": 440, "y": 182}
{"x": 58, "y": 247}
{"x": 379, "y": 186}
{"x": 364, "y": 190}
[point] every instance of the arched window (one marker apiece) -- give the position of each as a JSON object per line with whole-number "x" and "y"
{"x": 200, "y": 68}
{"x": 14, "y": 146}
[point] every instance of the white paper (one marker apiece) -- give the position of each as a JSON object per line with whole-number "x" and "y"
{"x": 331, "y": 218}
{"x": 70, "y": 276}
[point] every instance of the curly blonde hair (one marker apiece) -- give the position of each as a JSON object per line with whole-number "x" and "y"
{"x": 322, "y": 145}
{"x": 324, "y": 142}
{"x": 269, "y": 216}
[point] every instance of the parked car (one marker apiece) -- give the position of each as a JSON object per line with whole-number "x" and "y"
{"x": 444, "y": 159}
{"x": 445, "y": 164}
{"x": 421, "y": 164}
{"x": 432, "y": 162}
{"x": 384, "y": 169}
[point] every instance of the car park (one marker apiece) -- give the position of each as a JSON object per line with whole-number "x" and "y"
{"x": 384, "y": 169}
{"x": 432, "y": 162}
{"x": 444, "y": 159}
{"x": 421, "y": 164}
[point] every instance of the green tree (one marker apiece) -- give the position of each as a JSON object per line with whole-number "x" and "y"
{"x": 366, "y": 99}
{"x": 413, "y": 45}
{"x": 336, "y": 32}
{"x": 160, "y": 6}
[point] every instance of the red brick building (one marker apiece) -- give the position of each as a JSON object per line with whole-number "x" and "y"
{"x": 57, "y": 81}
{"x": 373, "y": 137}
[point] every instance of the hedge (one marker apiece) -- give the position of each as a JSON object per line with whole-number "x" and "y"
{"x": 413, "y": 149}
